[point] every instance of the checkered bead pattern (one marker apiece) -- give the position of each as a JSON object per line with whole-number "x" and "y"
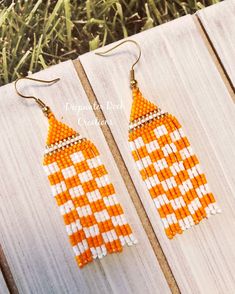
{"x": 94, "y": 219}
{"x": 169, "y": 167}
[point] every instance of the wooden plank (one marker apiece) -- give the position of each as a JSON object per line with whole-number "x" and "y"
{"x": 3, "y": 286}
{"x": 32, "y": 231}
{"x": 128, "y": 181}
{"x": 176, "y": 72}
{"x": 219, "y": 23}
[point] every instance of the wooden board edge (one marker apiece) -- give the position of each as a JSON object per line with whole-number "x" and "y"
{"x": 214, "y": 55}
{"x": 7, "y": 274}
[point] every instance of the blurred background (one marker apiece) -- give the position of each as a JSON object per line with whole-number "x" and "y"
{"x": 37, "y": 34}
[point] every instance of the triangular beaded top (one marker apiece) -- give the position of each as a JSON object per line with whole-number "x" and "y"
{"x": 58, "y": 131}
{"x": 142, "y": 110}
{"x": 60, "y": 136}
{"x": 140, "y": 105}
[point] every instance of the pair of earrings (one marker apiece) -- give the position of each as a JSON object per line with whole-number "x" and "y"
{"x": 94, "y": 219}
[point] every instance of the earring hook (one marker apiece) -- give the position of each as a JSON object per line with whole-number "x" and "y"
{"x": 133, "y": 81}
{"x": 43, "y": 106}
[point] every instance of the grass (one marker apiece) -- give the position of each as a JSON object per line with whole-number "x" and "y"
{"x": 37, "y": 34}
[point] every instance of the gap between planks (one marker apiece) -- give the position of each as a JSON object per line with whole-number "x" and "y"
{"x": 215, "y": 57}
{"x": 128, "y": 181}
{"x": 6, "y": 272}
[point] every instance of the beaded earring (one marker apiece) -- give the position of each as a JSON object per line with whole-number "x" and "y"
{"x": 167, "y": 163}
{"x": 94, "y": 219}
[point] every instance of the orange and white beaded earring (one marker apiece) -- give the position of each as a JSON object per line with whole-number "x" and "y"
{"x": 93, "y": 217}
{"x": 167, "y": 163}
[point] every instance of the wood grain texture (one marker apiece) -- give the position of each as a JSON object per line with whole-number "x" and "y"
{"x": 3, "y": 286}
{"x": 177, "y": 72}
{"x": 33, "y": 235}
{"x": 219, "y": 23}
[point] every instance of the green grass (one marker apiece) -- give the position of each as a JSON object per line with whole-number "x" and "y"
{"x": 37, "y": 34}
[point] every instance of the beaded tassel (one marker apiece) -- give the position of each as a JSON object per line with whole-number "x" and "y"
{"x": 169, "y": 167}
{"x": 93, "y": 217}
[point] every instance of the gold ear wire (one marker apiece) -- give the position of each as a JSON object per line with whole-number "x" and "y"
{"x": 133, "y": 81}
{"x": 43, "y": 106}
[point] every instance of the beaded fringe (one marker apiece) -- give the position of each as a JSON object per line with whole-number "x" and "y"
{"x": 94, "y": 219}
{"x": 169, "y": 167}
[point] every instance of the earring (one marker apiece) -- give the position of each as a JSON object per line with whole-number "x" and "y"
{"x": 167, "y": 163}
{"x": 93, "y": 217}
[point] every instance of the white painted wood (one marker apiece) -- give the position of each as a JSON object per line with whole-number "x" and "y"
{"x": 219, "y": 22}
{"x": 33, "y": 235}
{"x": 177, "y": 72}
{"x": 3, "y": 286}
